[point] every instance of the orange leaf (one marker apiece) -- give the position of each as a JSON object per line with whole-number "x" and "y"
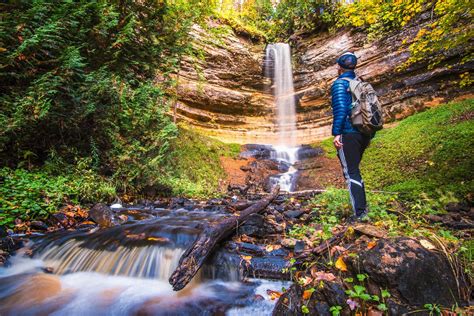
{"x": 270, "y": 248}
{"x": 273, "y": 294}
{"x": 88, "y": 223}
{"x": 247, "y": 258}
{"x": 307, "y": 294}
{"x": 371, "y": 244}
{"x": 341, "y": 265}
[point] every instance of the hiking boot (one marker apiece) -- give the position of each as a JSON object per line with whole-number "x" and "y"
{"x": 362, "y": 217}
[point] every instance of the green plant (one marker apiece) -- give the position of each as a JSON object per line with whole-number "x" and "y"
{"x": 335, "y": 310}
{"x": 305, "y": 309}
{"x": 30, "y": 195}
{"x": 434, "y": 309}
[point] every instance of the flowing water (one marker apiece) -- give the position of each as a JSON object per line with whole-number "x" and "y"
{"x": 124, "y": 270}
{"x": 279, "y": 68}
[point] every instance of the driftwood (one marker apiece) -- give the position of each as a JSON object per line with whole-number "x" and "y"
{"x": 192, "y": 260}
{"x": 324, "y": 246}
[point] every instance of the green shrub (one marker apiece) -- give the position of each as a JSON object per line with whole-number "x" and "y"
{"x": 30, "y": 195}
{"x": 193, "y": 167}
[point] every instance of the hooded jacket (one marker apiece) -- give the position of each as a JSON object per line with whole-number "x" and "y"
{"x": 342, "y": 105}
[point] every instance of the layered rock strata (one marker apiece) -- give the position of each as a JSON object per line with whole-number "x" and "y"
{"x": 223, "y": 92}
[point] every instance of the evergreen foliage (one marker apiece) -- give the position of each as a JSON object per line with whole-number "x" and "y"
{"x": 79, "y": 80}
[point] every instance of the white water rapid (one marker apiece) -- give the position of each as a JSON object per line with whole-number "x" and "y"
{"x": 286, "y": 152}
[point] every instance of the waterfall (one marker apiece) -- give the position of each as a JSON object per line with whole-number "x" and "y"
{"x": 279, "y": 69}
{"x": 141, "y": 262}
{"x": 280, "y": 56}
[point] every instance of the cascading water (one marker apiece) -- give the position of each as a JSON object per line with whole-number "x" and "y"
{"x": 124, "y": 270}
{"x": 278, "y": 58}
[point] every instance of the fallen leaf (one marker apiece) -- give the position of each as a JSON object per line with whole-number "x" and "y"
{"x": 374, "y": 312}
{"x": 82, "y": 213}
{"x": 247, "y": 258}
{"x": 425, "y": 243}
{"x": 273, "y": 294}
{"x": 339, "y": 249}
{"x": 87, "y": 223}
{"x": 323, "y": 276}
{"x": 341, "y": 265}
{"x": 69, "y": 214}
{"x": 371, "y": 244}
{"x": 307, "y": 294}
{"x": 305, "y": 280}
{"x": 270, "y": 248}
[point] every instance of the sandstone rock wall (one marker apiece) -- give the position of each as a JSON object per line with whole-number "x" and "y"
{"x": 224, "y": 94}
{"x": 402, "y": 93}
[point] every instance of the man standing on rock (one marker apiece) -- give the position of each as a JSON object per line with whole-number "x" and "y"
{"x": 349, "y": 142}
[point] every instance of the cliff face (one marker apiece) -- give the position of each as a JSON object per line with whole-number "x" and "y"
{"x": 224, "y": 93}
{"x": 402, "y": 93}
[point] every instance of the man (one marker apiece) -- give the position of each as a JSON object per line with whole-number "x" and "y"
{"x": 349, "y": 142}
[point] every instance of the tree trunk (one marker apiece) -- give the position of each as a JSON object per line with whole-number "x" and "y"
{"x": 192, "y": 260}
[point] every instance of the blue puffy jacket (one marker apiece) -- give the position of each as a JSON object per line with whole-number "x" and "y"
{"x": 341, "y": 105}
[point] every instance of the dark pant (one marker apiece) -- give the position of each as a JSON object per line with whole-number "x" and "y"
{"x": 350, "y": 155}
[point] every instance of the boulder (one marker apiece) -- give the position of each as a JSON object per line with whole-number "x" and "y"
{"x": 253, "y": 226}
{"x": 414, "y": 274}
{"x": 102, "y": 215}
{"x": 306, "y": 152}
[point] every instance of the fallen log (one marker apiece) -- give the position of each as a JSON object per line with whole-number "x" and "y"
{"x": 192, "y": 260}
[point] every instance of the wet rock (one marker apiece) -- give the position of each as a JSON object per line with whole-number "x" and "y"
{"x": 288, "y": 242}
{"x": 32, "y": 291}
{"x": 325, "y": 296}
{"x": 253, "y": 226}
{"x": 39, "y": 225}
{"x": 414, "y": 274}
{"x": 308, "y": 164}
{"x": 256, "y": 151}
{"x": 306, "y": 152}
{"x": 283, "y": 166}
{"x": 299, "y": 246}
{"x": 102, "y": 215}
{"x": 293, "y": 213}
{"x": 245, "y": 247}
{"x": 62, "y": 219}
{"x": 230, "y": 265}
{"x": 160, "y": 204}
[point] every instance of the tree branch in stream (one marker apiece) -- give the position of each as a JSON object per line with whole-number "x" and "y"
{"x": 192, "y": 260}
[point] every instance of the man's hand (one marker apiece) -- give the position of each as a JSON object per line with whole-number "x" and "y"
{"x": 337, "y": 142}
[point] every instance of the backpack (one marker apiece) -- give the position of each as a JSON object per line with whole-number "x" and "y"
{"x": 366, "y": 113}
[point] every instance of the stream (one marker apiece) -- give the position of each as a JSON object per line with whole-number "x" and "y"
{"x": 124, "y": 270}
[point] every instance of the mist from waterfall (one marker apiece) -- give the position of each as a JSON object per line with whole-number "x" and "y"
{"x": 282, "y": 71}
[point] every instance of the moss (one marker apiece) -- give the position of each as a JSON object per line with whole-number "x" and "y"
{"x": 193, "y": 168}
{"x": 428, "y": 153}
{"x": 327, "y": 146}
